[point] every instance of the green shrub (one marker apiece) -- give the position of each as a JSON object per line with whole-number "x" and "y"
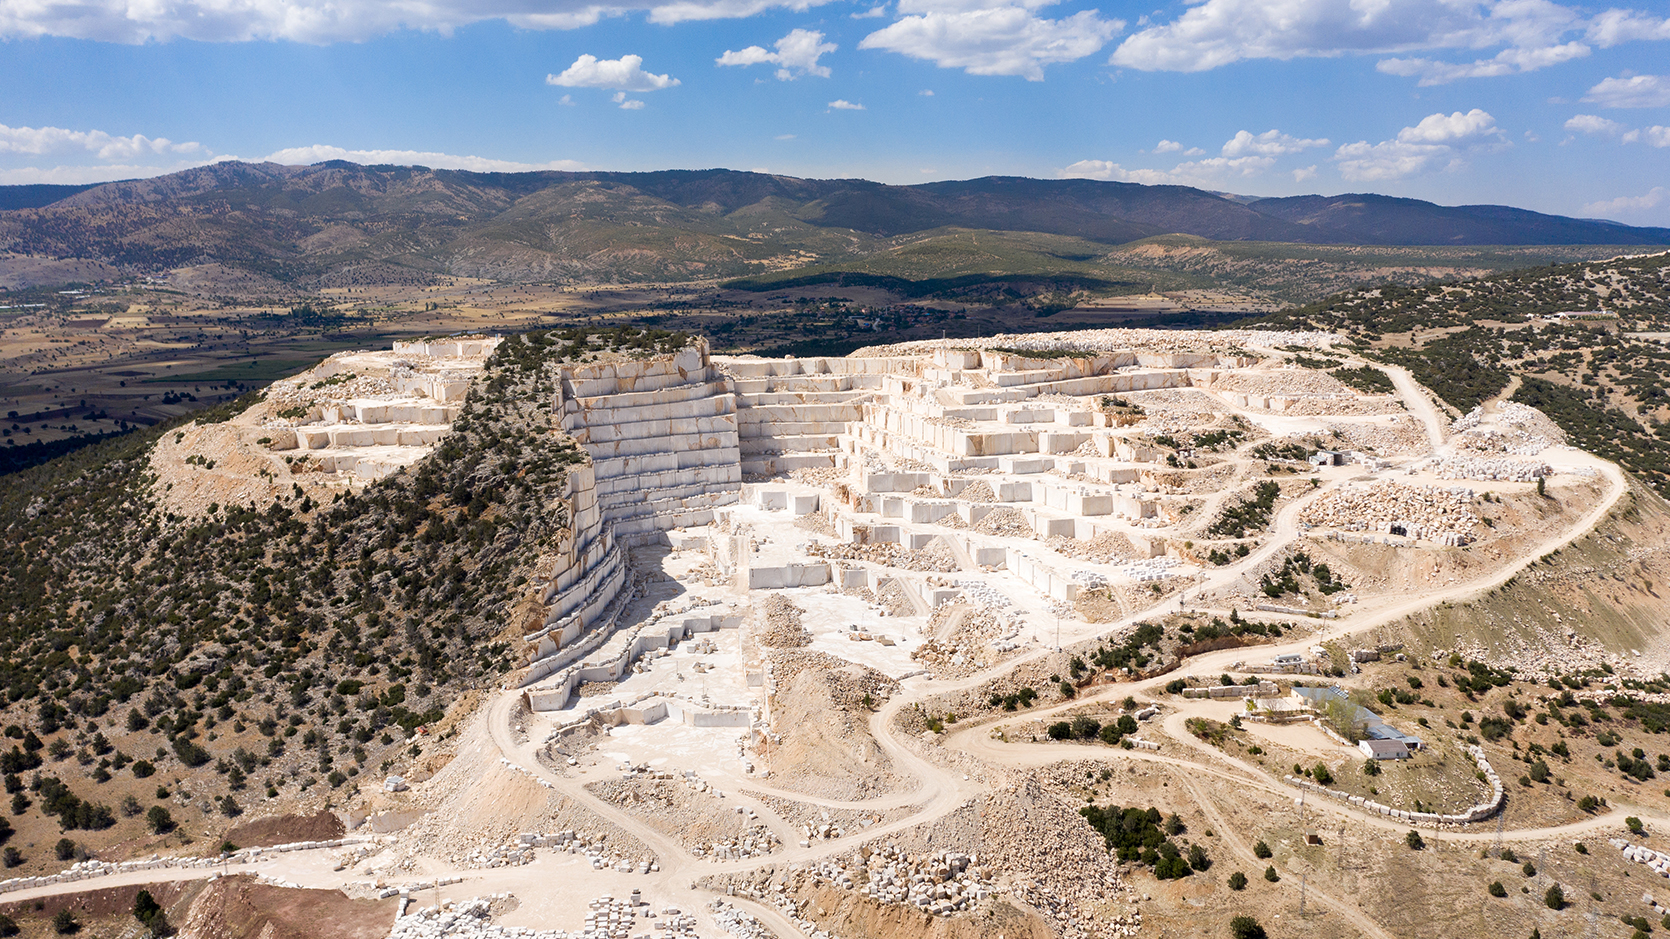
{"x": 1497, "y": 890}
{"x": 1245, "y": 927}
{"x": 1554, "y": 898}
{"x": 1237, "y": 881}
{"x": 1261, "y": 851}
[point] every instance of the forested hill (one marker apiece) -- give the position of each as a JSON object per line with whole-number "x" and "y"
{"x": 267, "y": 649}
{"x": 1598, "y": 370}
{"x": 402, "y": 224}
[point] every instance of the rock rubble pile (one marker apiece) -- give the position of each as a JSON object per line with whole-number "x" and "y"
{"x": 1443, "y": 515}
{"x": 1518, "y": 429}
{"x": 1484, "y": 468}
{"x": 941, "y": 884}
{"x": 780, "y": 624}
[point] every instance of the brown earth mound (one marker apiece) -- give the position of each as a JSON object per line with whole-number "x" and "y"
{"x": 240, "y": 908}
{"x": 286, "y": 829}
{"x": 93, "y": 904}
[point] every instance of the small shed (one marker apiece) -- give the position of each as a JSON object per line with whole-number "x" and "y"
{"x": 1384, "y": 749}
{"x": 1327, "y": 458}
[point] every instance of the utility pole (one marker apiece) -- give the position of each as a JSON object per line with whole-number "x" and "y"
{"x": 1301, "y": 894}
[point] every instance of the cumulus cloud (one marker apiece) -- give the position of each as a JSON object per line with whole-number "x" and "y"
{"x": 41, "y": 141}
{"x": 1593, "y": 124}
{"x": 326, "y": 21}
{"x": 1529, "y": 34}
{"x": 1304, "y": 173}
{"x": 1271, "y": 143}
{"x": 625, "y": 73}
{"x": 842, "y": 104}
{"x": 319, "y": 153}
{"x": 1637, "y": 91}
{"x": 1439, "y": 141}
{"x": 797, "y": 53}
{"x": 871, "y": 13}
{"x": 1167, "y": 146}
{"x": 1632, "y": 208}
{"x": 1447, "y": 128}
{"x": 1658, "y": 136}
{"x": 983, "y": 37}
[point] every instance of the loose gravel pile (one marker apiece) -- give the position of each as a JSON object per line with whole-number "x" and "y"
{"x": 1004, "y": 521}
{"x": 780, "y": 624}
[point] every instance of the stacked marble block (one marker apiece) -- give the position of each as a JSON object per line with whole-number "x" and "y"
{"x": 372, "y": 437}
{"x": 662, "y": 436}
{"x": 792, "y": 413}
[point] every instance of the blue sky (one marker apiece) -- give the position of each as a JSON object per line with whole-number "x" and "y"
{"x": 1551, "y": 106}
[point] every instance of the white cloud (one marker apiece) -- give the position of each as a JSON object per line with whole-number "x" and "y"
{"x": 319, "y": 153}
{"x": 326, "y": 21}
{"x": 1105, "y": 170}
{"x": 1269, "y": 143}
{"x": 1448, "y": 128}
{"x": 1635, "y": 208}
{"x": 1637, "y": 91}
{"x": 1618, "y": 26}
{"x": 1506, "y": 62}
{"x": 926, "y": 92}
{"x": 1439, "y": 141}
{"x": 783, "y": 137}
{"x": 1194, "y": 152}
{"x": 871, "y": 13}
{"x": 620, "y": 98}
{"x": 1200, "y": 173}
{"x": 290, "y": 156}
{"x": 1529, "y": 34}
{"x": 1658, "y": 136}
{"x": 77, "y": 175}
{"x": 797, "y": 53}
{"x": 1593, "y": 124}
{"x": 1167, "y": 146}
{"x": 842, "y": 104}
{"x": 1218, "y": 167}
{"x": 626, "y": 73}
{"x": 566, "y": 101}
{"x": 1300, "y": 175}
{"x": 992, "y": 38}
{"x": 39, "y": 141}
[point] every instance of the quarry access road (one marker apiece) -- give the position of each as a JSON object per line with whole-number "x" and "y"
{"x": 943, "y": 791}
{"x": 1416, "y": 400}
{"x": 1376, "y": 615}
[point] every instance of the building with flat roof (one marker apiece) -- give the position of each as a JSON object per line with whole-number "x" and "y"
{"x": 1383, "y": 749}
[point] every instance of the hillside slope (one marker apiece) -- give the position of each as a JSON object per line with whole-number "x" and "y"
{"x": 1600, "y": 377}
{"x": 264, "y": 651}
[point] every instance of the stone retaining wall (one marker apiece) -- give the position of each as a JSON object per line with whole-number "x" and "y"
{"x": 1477, "y": 813}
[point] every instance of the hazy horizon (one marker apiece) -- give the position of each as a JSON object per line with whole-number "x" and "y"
{"x": 1544, "y": 106}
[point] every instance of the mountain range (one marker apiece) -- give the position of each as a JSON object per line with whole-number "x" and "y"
{"x": 337, "y": 222}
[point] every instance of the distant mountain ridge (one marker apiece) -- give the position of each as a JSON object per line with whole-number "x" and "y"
{"x": 383, "y": 222}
